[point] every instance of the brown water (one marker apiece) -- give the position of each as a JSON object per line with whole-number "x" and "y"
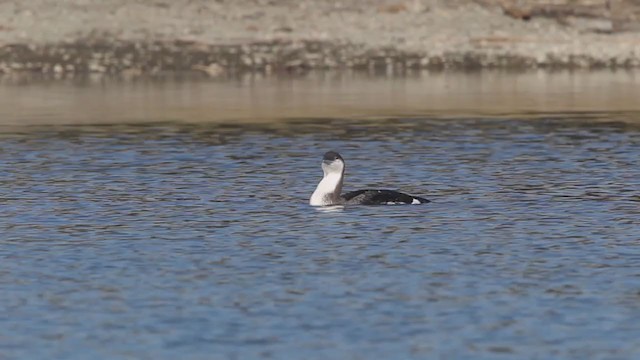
{"x": 320, "y": 95}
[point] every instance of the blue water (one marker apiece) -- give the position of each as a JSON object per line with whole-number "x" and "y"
{"x": 169, "y": 241}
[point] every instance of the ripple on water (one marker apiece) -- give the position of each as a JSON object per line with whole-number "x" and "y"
{"x": 190, "y": 240}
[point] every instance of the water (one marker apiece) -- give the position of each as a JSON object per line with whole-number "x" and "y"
{"x": 195, "y": 241}
{"x": 255, "y": 98}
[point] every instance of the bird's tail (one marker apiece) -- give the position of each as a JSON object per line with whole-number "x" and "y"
{"x": 422, "y": 200}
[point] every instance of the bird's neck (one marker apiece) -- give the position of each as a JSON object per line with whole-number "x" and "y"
{"x": 328, "y": 190}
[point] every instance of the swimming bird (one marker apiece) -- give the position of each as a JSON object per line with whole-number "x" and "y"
{"x": 329, "y": 189}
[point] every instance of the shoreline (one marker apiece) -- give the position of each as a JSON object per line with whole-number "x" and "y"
{"x": 282, "y": 36}
{"x": 132, "y": 58}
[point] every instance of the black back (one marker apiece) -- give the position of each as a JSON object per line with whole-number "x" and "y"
{"x": 380, "y": 197}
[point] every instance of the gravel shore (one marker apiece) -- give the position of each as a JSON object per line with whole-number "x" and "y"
{"x": 229, "y": 36}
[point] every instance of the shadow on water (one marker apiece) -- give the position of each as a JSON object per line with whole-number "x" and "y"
{"x": 186, "y": 238}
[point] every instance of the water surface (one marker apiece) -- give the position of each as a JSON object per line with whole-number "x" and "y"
{"x": 195, "y": 241}
{"x": 255, "y": 98}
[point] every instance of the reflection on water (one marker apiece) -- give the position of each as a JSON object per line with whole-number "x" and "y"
{"x": 168, "y": 240}
{"x": 319, "y": 95}
{"x": 331, "y": 209}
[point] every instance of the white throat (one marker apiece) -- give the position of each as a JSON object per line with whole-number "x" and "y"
{"x": 328, "y": 190}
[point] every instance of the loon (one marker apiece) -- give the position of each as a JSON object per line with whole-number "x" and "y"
{"x": 328, "y": 191}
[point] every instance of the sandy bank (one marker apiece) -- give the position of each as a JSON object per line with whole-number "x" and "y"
{"x": 217, "y": 37}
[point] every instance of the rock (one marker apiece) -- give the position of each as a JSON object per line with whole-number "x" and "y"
{"x": 212, "y": 69}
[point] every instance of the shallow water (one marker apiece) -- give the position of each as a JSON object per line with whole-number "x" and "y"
{"x": 196, "y": 241}
{"x": 254, "y": 98}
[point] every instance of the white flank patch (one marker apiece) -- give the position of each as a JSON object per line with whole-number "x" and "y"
{"x": 415, "y": 202}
